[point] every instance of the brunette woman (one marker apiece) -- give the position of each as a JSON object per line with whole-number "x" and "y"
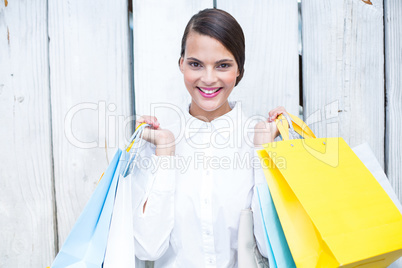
{"x": 191, "y": 218}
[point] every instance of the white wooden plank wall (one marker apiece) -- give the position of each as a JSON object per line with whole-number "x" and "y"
{"x": 65, "y": 93}
{"x": 393, "y": 105}
{"x": 343, "y": 71}
{"x": 26, "y": 209}
{"x": 158, "y": 28}
{"x": 271, "y": 75}
{"x": 89, "y": 70}
{"x": 393, "y": 67}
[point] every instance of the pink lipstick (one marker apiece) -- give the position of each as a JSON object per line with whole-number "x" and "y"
{"x": 209, "y": 92}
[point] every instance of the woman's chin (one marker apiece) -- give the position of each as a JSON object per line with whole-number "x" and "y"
{"x": 210, "y": 106}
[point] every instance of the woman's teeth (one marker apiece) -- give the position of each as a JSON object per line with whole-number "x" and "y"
{"x": 209, "y": 91}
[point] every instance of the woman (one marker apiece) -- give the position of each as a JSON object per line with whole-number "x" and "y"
{"x": 190, "y": 218}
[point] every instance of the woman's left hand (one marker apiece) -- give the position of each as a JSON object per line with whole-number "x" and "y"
{"x": 267, "y": 131}
{"x": 273, "y": 114}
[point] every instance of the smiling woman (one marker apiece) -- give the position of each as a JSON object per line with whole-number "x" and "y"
{"x": 212, "y": 61}
{"x": 222, "y": 27}
{"x": 210, "y": 74}
{"x": 200, "y": 207}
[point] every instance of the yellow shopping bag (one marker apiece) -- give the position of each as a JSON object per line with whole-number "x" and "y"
{"x": 333, "y": 211}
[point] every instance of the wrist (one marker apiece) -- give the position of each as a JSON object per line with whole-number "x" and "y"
{"x": 165, "y": 144}
{"x": 264, "y": 132}
{"x": 165, "y": 150}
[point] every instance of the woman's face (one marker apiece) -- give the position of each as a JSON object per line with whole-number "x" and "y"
{"x": 209, "y": 70}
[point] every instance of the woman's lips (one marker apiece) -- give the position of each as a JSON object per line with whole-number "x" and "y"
{"x": 209, "y": 88}
{"x": 209, "y": 92}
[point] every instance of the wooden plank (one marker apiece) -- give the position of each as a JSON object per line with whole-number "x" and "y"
{"x": 90, "y": 91}
{"x": 158, "y": 29}
{"x": 343, "y": 71}
{"x": 26, "y": 196}
{"x": 271, "y": 75}
{"x": 393, "y": 67}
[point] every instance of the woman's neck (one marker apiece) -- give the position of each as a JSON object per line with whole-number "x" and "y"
{"x": 208, "y": 116}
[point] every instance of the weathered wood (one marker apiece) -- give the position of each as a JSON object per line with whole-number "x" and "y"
{"x": 271, "y": 75}
{"x": 158, "y": 28}
{"x": 90, "y": 93}
{"x": 393, "y": 74}
{"x": 343, "y": 71}
{"x": 26, "y": 197}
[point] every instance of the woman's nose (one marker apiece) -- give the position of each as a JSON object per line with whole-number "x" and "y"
{"x": 209, "y": 76}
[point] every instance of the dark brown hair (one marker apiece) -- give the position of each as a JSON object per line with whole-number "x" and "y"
{"x": 221, "y": 26}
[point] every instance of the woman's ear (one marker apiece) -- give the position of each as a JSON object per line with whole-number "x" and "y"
{"x": 181, "y": 64}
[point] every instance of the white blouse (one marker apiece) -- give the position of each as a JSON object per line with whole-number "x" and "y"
{"x": 194, "y": 198}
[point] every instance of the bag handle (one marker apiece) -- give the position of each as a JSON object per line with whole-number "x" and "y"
{"x": 284, "y": 122}
{"x": 138, "y": 130}
{"x": 138, "y": 133}
{"x": 131, "y": 142}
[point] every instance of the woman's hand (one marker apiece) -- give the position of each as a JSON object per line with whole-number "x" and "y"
{"x": 274, "y": 113}
{"x": 267, "y": 131}
{"x": 163, "y": 139}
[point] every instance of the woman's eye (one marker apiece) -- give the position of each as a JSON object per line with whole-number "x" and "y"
{"x": 194, "y": 64}
{"x": 224, "y": 65}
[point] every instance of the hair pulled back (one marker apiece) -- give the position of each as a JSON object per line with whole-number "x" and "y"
{"x": 221, "y": 26}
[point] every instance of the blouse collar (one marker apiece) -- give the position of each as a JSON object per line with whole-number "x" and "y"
{"x": 222, "y": 125}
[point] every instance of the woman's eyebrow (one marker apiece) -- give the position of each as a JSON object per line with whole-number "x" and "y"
{"x": 217, "y": 62}
{"x": 223, "y": 60}
{"x": 194, "y": 59}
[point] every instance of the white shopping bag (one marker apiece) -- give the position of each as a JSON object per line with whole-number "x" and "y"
{"x": 368, "y": 158}
{"x": 120, "y": 245}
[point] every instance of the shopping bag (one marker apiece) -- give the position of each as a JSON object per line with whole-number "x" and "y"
{"x": 248, "y": 255}
{"x": 278, "y": 250}
{"x": 366, "y": 155}
{"x": 333, "y": 211}
{"x": 120, "y": 245}
{"x": 246, "y": 242}
{"x": 86, "y": 244}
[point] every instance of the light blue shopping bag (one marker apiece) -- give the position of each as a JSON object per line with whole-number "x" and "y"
{"x": 85, "y": 246}
{"x": 278, "y": 250}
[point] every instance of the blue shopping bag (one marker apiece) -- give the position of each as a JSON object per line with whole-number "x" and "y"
{"x": 85, "y": 246}
{"x": 278, "y": 250}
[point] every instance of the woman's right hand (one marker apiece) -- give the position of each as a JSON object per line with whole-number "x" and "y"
{"x": 163, "y": 139}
